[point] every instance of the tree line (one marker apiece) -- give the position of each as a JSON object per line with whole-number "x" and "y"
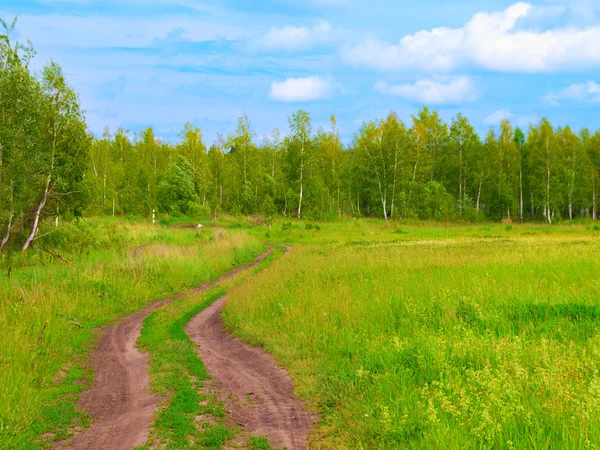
{"x": 427, "y": 169}
{"x": 51, "y": 166}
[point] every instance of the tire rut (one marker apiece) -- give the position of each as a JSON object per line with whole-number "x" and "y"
{"x": 119, "y": 398}
{"x": 258, "y": 395}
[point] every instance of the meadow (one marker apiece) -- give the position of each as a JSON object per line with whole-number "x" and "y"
{"x": 49, "y": 309}
{"x": 400, "y": 335}
{"x": 432, "y": 336}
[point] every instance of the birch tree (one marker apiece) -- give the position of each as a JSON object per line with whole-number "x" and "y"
{"x": 62, "y": 151}
{"x": 543, "y": 157}
{"x": 464, "y": 146}
{"x": 573, "y": 159}
{"x": 20, "y": 114}
{"x": 299, "y": 151}
{"x": 193, "y": 149}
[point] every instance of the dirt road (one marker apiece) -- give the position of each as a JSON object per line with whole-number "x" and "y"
{"x": 258, "y": 395}
{"x": 119, "y": 397}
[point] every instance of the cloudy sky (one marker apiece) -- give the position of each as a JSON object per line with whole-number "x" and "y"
{"x": 161, "y": 63}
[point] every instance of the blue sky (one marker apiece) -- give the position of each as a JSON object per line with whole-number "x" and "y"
{"x": 162, "y": 63}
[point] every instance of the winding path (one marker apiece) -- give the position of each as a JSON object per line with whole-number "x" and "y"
{"x": 119, "y": 397}
{"x": 258, "y": 395}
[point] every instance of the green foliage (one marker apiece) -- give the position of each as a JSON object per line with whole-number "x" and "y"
{"x": 43, "y": 145}
{"x": 176, "y": 193}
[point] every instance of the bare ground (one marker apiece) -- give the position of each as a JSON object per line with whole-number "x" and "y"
{"x": 258, "y": 395}
{"x": 119, "y": 397}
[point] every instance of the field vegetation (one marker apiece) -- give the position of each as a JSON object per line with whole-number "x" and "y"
{"x": 436, "y": 338}
{"x": 49, "y": 309}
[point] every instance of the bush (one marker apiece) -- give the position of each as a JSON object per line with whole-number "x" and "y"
{"x": 202, "y": 212}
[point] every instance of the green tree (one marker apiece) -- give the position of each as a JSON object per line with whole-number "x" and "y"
{"x": 463, "y": 150}
{"x": 543, "y": 162}
{"x": 299, "y": 152}
{"x": 21, "y": 103}
{"x": 519, "y": 139}
{"x": 194, "y": 150}
{"x": 574, "y": 161}
{"x": 177, "y": 191}
{"x": 61, "y": 157}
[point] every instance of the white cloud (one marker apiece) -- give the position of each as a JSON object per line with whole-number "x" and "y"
{"x": 435, "y": 91}
{"x": 105, "y": 31}
{"x": 493, "y": 41}
{"x": 294, "y": 38}
{"x": 301, "y": 89}
{"x": 582, "y": 93}
{"x": 495, "y": 118}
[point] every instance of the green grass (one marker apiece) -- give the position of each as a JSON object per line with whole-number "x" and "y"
{"x": 258, "y": 443}
{"x": 402, "y": 335}
{"x": 177, "y": 373}
{"x": 365, "y": 231}
{"x": 435, "y": 338}
{"x": 48, "y": 312}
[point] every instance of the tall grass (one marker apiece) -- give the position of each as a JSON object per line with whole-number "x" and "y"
{"x": 48, "y": 312}
{"x": 468, "y": 342}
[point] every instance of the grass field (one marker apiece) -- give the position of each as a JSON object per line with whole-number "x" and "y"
{"x": 400, "y": 335}
{"x": 435, "y": 337}
{"x": 48, "y": 310}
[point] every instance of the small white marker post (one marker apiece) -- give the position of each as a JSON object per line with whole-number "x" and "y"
{"x": 153, "y": 217}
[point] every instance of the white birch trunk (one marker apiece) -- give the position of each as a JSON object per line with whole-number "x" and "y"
{"x": 36, "y": 219}
{"x": 594, "y": 210}
{"x": 10, "y": 217}
{"x": 521, "y": 193}
{"x": 42, "y": 204}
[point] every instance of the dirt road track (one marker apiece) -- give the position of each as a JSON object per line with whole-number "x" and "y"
{"x": 119, "y": 397}
{"x": 258, "y": 395}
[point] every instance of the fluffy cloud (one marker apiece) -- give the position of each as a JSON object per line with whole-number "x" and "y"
{"x": 493, "y": 41}
{"x": 436, "y": 91}
{"x": 498, "y": 116}
{"x": 301, "y": 89}
{"x": 582, "y": 93}
{"x": 294, "y": 38}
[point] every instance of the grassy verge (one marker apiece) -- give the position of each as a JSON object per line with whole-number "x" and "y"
{"x": 178, "y": 373}
{"x": 437, "y": 343}
{"x": 48, "y": 313}
{"x": 190, "y": 417}
{"x": 374, "y": 232}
